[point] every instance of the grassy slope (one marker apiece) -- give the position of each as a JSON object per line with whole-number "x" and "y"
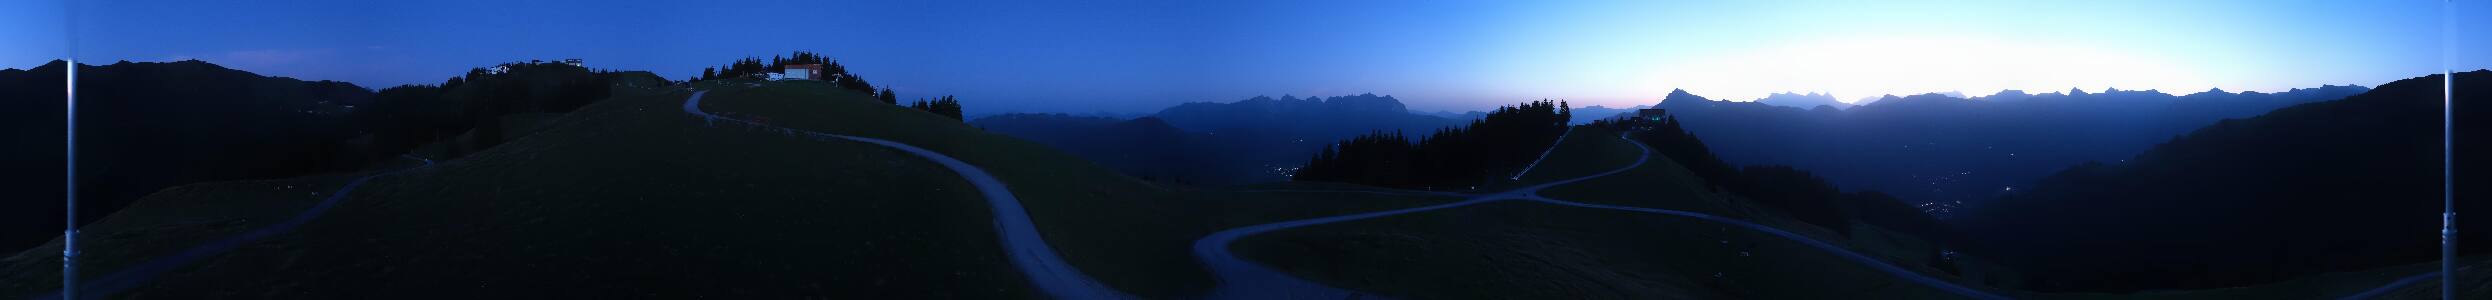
{"x": 2474, "y": 284}
{"x": 1127, "y": 233}
{"x": 1662, "y": 183}
{"x": 154, "y": 226}
{"x": 1114, "y": 228}
{"x": 627, "y": 198}
{"x": 1530, "y": 250}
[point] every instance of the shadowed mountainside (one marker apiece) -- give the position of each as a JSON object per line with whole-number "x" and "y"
{"x": 2321, "y": 187}
{"x": 146, "y": 126}
{"x": 1933, "y": 148}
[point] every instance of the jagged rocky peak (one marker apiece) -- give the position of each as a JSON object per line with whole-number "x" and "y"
{"x": 1366, "y": 102}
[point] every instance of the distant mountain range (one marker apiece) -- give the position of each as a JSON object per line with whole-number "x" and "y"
{"x": 1585, "y": 115}
{"x": 1468, "y": 115}
{"x": 1940, "y": 150}
{"x": 1146, "y": 147}
{"x": 2318, "y": 187}
{"x": 1803, "y": 101}
{"x": 1329, "y": 117}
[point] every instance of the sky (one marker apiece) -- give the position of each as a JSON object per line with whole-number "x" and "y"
{"x": 1126, "y": 56}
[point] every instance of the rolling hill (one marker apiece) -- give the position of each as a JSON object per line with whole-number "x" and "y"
{"x": 221, "y": 124}
{"x": 148, "y": 126}
{"x": 1519, "y": 249}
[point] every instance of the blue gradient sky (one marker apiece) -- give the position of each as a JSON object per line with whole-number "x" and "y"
{"x": 1134, "y": 56}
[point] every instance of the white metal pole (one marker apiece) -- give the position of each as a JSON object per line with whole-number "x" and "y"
{"x": 69, "y": 237}
{"x": 69, "y": 156}
{"x": 2448, "y": 152}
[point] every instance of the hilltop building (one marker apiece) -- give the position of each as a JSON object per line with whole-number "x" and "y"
{"x": 575, "y": 62}
{"x": 1651, "y": 114}
{"x": 801, "y": 72}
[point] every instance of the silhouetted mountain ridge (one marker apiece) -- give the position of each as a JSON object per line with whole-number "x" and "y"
{"x": 1451, "y": 115}
{"x": 1934, "y": 148}
{"x": 144, "y": 126}
{"x": 2319, "y": 187}
{"x": 1204, "y": 116}
{"x": 1803, "y": 101}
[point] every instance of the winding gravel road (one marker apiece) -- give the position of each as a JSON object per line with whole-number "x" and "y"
{"x": 1029, "y": 252}
{"x": 131, "y": 276}
{"x": 1241, "y": 279}
{"x": 2398, "y": 284}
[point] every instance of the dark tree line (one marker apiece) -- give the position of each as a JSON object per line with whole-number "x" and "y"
{"x": 833, "y": 72}
{"x": 1450, "y": 158}
{"x": 1667, "y": 137}
{"x": 752, "y": 66}
{"x": 406, "y": 117}
{"x": 940, "y": 106}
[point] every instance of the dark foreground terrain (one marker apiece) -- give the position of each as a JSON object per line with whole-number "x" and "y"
{"x": 633, "y": 197}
